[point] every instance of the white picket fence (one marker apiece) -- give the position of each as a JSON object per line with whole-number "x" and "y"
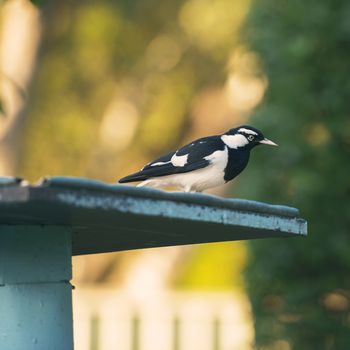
{"x": 110, "y": 320}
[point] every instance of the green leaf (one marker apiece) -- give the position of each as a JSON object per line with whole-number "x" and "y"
{"x": 2, "y": 110}
{"x": 38, "y": 2}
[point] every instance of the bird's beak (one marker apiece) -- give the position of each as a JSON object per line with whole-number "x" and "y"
{"x": 268, "y": 142}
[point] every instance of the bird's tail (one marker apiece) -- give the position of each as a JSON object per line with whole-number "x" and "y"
{"x": 133, "y": 178}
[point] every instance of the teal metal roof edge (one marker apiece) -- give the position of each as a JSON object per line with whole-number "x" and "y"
{"x": 193, "y": 198}
{"x": 106, "y": 217}
{"x": 10, "y": 181}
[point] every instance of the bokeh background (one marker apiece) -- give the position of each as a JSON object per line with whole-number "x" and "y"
{"x": 98, "y": 88}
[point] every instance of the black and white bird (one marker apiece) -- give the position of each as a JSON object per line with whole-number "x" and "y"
{"x": 205, "y": 163}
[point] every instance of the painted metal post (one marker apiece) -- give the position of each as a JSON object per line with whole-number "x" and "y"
{"x": 35, "y": 293}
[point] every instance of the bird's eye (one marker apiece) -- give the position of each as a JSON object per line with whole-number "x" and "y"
{"x": 250, "y": 137}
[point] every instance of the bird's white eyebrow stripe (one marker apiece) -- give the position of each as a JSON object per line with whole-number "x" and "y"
{"x": 247, "y": 131}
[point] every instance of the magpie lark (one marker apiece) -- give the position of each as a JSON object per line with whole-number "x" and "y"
{"x": 207, "y": 162}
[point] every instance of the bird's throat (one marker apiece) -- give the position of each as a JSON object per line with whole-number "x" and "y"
{"x": 237, "y": 161}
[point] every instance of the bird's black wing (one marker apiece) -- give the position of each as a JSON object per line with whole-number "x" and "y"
{"x": 167, "y": 165}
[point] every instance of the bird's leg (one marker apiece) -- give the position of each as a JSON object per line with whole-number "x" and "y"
{"x": 187, "y": 189}
{"x": 143, "y": 183}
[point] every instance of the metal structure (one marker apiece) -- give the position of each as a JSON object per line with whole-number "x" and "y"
{"x": 42, "y": 226}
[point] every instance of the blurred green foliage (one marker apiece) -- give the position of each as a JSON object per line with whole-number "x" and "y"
{"x": 300, "y": 287}
{"x": 38, "y": 2}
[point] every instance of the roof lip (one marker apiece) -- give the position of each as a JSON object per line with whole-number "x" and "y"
{"x": 12, "y": 181}
{"x": 151, "y": 193}
{"x": 76, "y": 183}
{"x": 106, "y": 217}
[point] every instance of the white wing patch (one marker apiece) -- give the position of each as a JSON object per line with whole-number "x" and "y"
{"x": 234, "y": 141}
{"x": 175, "y": 160}
{"x": 159, "y": 163}
{"x": 179, "y": 160}
{"x": 247, "y": 131}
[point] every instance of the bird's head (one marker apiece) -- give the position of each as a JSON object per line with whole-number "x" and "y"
{"x": 245, "y": 136}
